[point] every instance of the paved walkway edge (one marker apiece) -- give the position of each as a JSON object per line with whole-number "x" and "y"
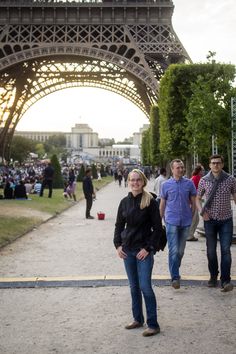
{"x": 96, "y": 281}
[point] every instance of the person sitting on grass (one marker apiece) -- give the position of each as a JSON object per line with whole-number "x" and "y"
{"x": 28, "y": 186}
{"x": 20, "y": 191}
{"x": 8, "y": 191}
{"x": 37, "y": 187}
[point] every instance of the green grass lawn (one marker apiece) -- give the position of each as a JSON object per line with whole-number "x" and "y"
{"x": 14, "y": 220}
{"x": 13, "y": 227}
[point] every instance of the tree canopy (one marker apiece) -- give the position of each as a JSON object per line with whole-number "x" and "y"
{"x": 20, "y": 148}
{"x": 194, "y": 105}
{"x": 154, "y": 136}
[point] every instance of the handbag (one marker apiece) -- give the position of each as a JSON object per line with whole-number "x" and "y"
{"x": 162, "y": 240}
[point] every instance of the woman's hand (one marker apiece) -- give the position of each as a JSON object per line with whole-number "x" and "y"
{"x": 142, "y": 254}
{"x": 121, "y": 253}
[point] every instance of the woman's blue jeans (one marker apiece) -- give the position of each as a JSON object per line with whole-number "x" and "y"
{"x": 139, "y": 274}
{"x": 176, "y": 238}
{"x": 225, "y": 230}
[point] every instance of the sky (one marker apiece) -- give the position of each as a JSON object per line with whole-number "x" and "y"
{"x": 201, "y": 25}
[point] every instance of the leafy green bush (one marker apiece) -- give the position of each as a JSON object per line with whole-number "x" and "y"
{"x": 94, "y": 171}
{"x": 57, "y": 179}
{"x": 81, "y": 174}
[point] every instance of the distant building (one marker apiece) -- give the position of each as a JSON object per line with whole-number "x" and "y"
{"x": 114, "y": 152}
{"x": 137, "y": 137}
{"x": 36, "y": 135}
{"x": 80, "y": 137}
{"x": 106, "y": 142}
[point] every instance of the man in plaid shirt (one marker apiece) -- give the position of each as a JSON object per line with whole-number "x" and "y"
{"x": 218, "y": 186}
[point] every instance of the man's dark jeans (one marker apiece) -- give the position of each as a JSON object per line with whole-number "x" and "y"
{"x": 89, "y": 203}
{"x": 46, "y": 182}
{"x": 225, "y": 230}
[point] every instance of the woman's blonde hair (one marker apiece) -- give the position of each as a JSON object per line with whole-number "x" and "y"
{"x": 146, "y": 197}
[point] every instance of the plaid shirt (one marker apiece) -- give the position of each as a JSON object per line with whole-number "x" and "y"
{"x": 220, "y": 207}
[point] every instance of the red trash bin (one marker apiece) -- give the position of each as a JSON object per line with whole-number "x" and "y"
{"x": 101, "y": 216}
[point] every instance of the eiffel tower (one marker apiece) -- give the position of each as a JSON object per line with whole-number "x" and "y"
{"x": 123, "y": 46}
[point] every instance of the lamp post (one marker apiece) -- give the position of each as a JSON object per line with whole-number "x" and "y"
{"x": 233, "y": 137}
{"x": 214, "y": 147}
{"x": 233, "y": 143}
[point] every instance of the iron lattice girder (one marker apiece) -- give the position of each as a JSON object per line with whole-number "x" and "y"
{"x": 149, "y": 38}
{"x": 87, "y": 73}
{"x": 145, "y": 50}
{"x": 135, "y": 41}
{"x": 140, "y": 32}
{"x": 47, "y": 76}
{"x": 137, "y": 36}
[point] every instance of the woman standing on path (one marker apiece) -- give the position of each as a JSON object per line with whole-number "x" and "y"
{"x": 137, "y": 233}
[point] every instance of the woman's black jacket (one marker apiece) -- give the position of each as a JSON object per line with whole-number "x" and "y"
{"x": 136, "y": 228}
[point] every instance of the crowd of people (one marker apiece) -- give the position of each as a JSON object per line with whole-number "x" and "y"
{"x": 121, "y": 173}
{"x": 20, "y": 182}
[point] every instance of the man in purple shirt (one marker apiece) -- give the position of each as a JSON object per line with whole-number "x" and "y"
{"x": 177, "y": 207}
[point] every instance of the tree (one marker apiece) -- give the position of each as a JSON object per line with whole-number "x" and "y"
{"x": 20, "y": 148}
{"x": 208, "y": 115}
{"x": 94, "y": 171}
{"x": 194, "y": 104}
{"x": 39, "y": 150}
{"x": 81, "y": 174}
{"x": 106, "y": 142}
{"x": 55, "y": 145}
{"x": 57, "y": 140}
{"x": 145, "y": 149}
{"x": 126, "y": 141}
{"x": 154, "y": 136}
{"x": 57, "y": 178}
{"x": 206, "y": 118}
{"x": 103, "y": 173}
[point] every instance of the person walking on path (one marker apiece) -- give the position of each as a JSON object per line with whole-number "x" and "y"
{"x": 218, "y": 186}
{"x": 72, "y": 184}
{"x": 137, "y": 232}
{"x": 120, "y": 177}
{"x": 177, "y": 207}
{"x": 48, "y": 174}
{"x": 196, "y": 176}
{"x": 89, "y": 192}
{"x": 158, "y": 183}
{"x": 126, "y": 173}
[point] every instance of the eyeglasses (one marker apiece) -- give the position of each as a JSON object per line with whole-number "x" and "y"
{"x": 216, "y": 163}
{"x": 135, "y": 180}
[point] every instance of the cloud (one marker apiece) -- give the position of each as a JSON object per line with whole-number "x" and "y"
{"x": 206, "y": 25}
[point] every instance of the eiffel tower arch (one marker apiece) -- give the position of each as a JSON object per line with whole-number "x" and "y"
{"x": 123, "y": 46}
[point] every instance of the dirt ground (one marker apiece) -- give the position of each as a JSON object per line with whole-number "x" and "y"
{"x": 193, "y": 320}
{"x": 23, "y": 211}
